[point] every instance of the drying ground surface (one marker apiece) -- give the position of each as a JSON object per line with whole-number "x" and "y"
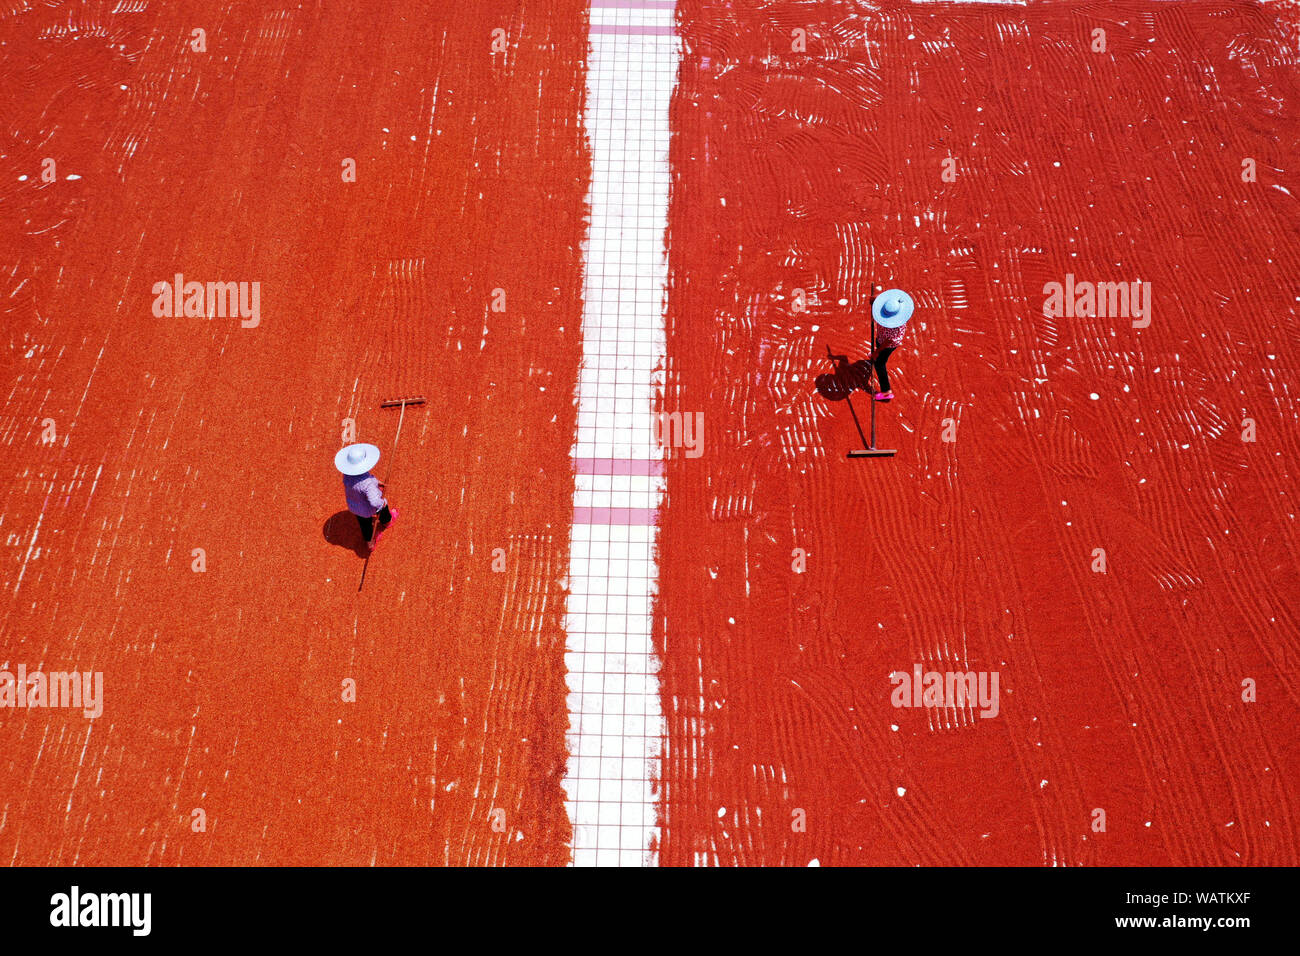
{"x": 1102, "y": 514}
{"x": 171, "y": 514}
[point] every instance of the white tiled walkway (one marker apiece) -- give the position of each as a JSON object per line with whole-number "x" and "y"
{"x": 615, "y": 738}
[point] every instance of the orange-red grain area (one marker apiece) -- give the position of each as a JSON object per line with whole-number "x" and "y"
{"x": 171, "y": 516}
{"x": 1101, "y": 512}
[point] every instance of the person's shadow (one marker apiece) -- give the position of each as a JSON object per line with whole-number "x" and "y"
{"x": 342, "y": 530}
{"x": 838, "y": 385}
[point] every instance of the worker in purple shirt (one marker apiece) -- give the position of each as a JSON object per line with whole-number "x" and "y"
{"x": 365, "y": 492}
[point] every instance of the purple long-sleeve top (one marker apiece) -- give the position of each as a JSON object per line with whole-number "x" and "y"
{"x": 363, "y": 494}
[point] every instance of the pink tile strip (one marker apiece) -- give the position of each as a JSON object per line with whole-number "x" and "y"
{"x": 640, "y": 31}
{"x": 644, "y": 467}
{"x": 615, "y": 516}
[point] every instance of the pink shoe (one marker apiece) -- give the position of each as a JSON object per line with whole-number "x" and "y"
{"x": 883, "y": 396}
{"x": 394, "y": 513}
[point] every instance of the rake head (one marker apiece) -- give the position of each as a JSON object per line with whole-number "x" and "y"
{"x": 872, "y": 453}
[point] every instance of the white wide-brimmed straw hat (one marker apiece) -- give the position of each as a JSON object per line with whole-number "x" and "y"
{"x": 356, "y": 459}
{"x": 892, "y": 309}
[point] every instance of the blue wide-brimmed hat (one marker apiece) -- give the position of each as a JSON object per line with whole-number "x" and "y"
{"x": 356, "y": 459}
{"x": 892, "y": 309}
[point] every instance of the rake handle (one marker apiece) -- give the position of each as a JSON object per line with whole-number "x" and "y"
{"x": 392, "y": 461}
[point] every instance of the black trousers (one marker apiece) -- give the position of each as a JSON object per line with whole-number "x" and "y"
{"x": 368, "y": 524}
{"x": 882, "y": 376}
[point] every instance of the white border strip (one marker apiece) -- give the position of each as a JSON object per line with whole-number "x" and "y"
{"x": 616, "y": 723}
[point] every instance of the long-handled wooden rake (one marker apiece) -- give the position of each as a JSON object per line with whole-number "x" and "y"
{"x": 395, "y": 403}
{"x": 391, "y": 403}
{"x": 869, "y": 450}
